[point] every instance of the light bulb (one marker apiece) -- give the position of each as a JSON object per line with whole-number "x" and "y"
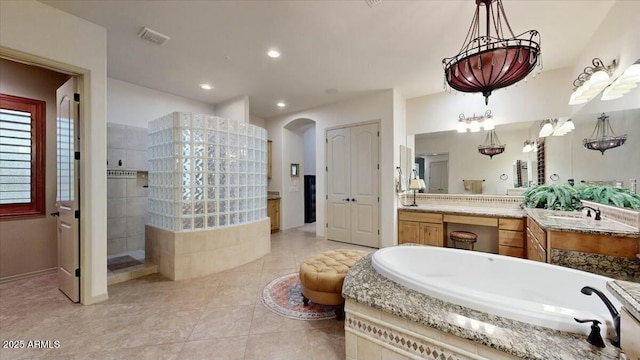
{"x": 547, "y": 129}
{"x": 474, "y": 126}
{"x": 462, "y": 127}
{"x": 488, "y": 124}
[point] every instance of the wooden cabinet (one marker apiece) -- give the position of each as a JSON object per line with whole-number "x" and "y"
{"x": 511, "y": 237}
{"x": 269, "y": 161}
{"x": 421, "y": 228}
{"x": 536, "y": 242}
{"x": 273, "y": 212}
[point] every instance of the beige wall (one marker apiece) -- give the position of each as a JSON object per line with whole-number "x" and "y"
{"x": 29, "y": 245}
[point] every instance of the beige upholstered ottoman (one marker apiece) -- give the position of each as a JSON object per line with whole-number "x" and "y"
{"x": 322, "y": 276}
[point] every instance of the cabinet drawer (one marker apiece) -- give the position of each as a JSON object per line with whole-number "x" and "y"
{"x": 537, "y": 232}
{"x": 420, "y": 217}
{"x": 511, "y": 238}
{"x": 511, "y": 224}
{"x": 471, "y": 220}
{"x": 511, "y": 251}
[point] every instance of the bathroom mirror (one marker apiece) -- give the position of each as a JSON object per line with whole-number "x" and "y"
{"x": 521, "y": 173}
{"x": 406, "y": 167}
{"x": 563, "y": 155}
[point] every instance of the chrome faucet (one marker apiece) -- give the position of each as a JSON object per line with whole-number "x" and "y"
{"x": 597, "y": 211}
{"x": 588, "y": 290}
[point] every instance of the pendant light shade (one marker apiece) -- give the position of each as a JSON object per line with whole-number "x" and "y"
{"x": 492, "y": 61}
{"x": 603, "y": 138}
{"x": 492, "y": 145}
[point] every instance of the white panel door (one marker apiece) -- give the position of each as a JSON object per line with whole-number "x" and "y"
{"x": 352, "y": 185}
{"x": 67, "y": 201}
{"x": 338, "y": 192}
{"x": 438, "y": 177}
{"x": 364, "y": 185}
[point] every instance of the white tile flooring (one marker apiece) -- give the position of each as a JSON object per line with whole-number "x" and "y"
{"x": 214, "y": 317}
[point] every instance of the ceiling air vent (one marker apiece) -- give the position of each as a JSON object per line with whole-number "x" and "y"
{"x": 153, "y": 36}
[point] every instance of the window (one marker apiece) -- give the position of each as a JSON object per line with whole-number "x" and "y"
{"x": 22, "y": 140}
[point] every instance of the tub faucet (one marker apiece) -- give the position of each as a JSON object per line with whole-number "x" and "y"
{"x": 588, "y": 290}
{"x": 597, "y": 211}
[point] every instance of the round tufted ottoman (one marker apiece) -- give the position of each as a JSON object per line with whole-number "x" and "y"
{"x": 464, "y": 237}
{"x": 321, "y": 277}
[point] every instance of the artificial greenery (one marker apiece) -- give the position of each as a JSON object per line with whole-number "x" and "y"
{"x": 567, "y": 198}
{"x": 552, "y": 197}
{"x": 609, "y": 195}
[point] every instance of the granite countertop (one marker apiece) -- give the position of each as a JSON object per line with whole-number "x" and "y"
{"x": 364, "y": 285}
{"x": 576, "y": 221}
{"x": 467, "y": 210}
{"x": 628, "y": 293}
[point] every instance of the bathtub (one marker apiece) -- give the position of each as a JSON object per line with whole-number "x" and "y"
{"x": 523, "y": 290}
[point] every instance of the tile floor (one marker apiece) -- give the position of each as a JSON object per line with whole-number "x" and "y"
{"x": 214, "y": 317}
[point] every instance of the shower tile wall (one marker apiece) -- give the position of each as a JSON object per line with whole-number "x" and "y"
{"x": 126, "y": 195}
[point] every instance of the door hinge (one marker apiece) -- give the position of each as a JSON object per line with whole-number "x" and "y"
{"x": 326, "y": 225}
{"x": 378, "y": 232}
{"x": 76, "y": 155}
{"x": 378, "y": 166}
{"x": 378, "y": 198}
{"x": 378, "y": 133}
{"x": 77, "y": 272}
{"x": 326, "y": 140}
{"x": 76, "y": 97}
{"x": 77, "y": 214}
{"x": 326, "y": 197}
{"x": 326, "y": 168}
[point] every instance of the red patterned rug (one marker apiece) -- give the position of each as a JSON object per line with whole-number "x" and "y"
{"x": 283, "y": 296}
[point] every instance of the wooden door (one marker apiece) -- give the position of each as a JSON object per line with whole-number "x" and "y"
{"x": 364, "y": 185}
{"x": 67, "y": 201}
{"x": 439, "y": 177}
{"x": 431, "y": 234}
{"x": 338, "y": 184}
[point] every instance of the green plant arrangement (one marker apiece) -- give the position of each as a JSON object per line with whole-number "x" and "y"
{"x": 608, "y": 195}
{"x": 552, "y": 197}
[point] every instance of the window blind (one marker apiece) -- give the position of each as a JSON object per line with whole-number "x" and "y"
{"x": 16, "y": 149}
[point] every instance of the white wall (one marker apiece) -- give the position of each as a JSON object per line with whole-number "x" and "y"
{"x": 258, "y": 121}
{"x": 237, "y": 108}
{"x": 36, "y": 32}
{"x": 376, "y": 106}
{"x": 466, "y": 163}
{"x": 292, "y": 193}
{"x": 310, "y": 151}
{"x": 134, "y": 105}
{"x": 545, "y": 96}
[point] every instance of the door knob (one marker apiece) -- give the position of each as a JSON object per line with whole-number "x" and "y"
{"x": 347, "y": 199}
{"x": 57, "y": 213}
{"x": 354, "y": 200}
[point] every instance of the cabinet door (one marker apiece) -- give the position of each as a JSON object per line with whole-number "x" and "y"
{"x": 431, "y": 234}
{"x": 408, "y": 232}
{"x": 534, "y": 250}
{"x": 273, "y": 212}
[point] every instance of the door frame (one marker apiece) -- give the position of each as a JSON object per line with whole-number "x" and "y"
{"x": 84, "y": 87}
{"x": 326, "y": 182}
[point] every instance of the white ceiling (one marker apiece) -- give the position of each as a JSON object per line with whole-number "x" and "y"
{"x": 344, "y": 45}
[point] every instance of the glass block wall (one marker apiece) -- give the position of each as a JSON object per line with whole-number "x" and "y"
{"x": 206, "y": 172}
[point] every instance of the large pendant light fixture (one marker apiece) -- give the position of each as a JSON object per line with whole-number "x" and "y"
{"x": 492, "y": 145}
{"x": 492, "y": 61}
{"x": 603, "y": 138}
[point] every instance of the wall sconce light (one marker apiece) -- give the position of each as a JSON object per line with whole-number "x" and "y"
{"x": 474, "y": 122}
{"x": 592, "y": 80}
{"x": 555, "y": 128}
{"x": 624, "y": 83}
{"x": 529, "y": 146}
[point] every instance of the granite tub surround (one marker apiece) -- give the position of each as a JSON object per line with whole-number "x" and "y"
{"x": 615, "y": 267}
{"x": 189, "y": 254}
{"x": 628, "y": 293}
{"x": 387, "y": 320}
{"x": 577, "y": 221}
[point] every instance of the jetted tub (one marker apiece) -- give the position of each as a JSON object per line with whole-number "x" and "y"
{"x": 528, "y": 291}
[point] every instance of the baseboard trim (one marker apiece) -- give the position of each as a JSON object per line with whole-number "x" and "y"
{"x": 96, "y": 299}
{"x": 13, "y": 278}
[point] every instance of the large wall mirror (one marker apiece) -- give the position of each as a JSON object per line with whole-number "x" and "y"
{"x": 564, "y": 156}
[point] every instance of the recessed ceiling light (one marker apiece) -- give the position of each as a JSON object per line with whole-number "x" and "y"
{"x": 206, "y": 86}
{"x": 281, "y": 104}
{"x": 273, "y": 53}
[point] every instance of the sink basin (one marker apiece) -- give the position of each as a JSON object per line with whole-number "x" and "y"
{"x": 570, "y": 218}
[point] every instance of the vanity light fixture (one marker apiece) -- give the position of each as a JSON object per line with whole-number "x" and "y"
{"x": 592, "y": 80}
{"x": 546, "y": 127}
{"x": 492, "y": 61}
{"x": 624, "y": 83}
{"x": 474, "y": 123}
{"x": 528, "y": 146}
{"x": 555, "y": 127}
{"x": 492, "y": 145}
{"x": 603, "y": 138}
